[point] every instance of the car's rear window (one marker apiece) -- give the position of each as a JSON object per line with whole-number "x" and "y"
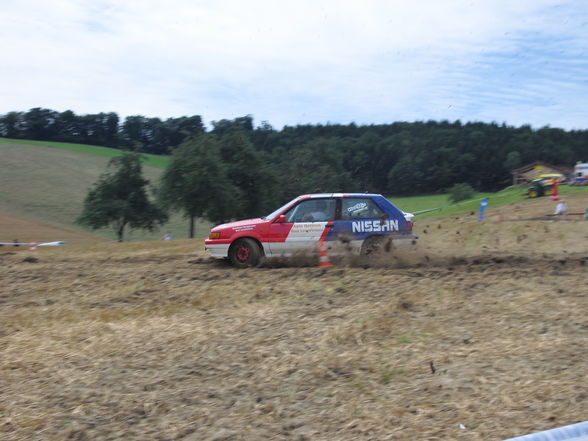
{"x": 359, "y": 208}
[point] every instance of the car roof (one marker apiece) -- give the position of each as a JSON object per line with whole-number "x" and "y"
{"x": 339, "y": 195}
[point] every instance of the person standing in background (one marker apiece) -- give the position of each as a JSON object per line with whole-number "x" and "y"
{"x": 561, "y": 209}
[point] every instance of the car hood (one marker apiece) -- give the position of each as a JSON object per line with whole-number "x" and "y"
{"x": 241, "y": 223}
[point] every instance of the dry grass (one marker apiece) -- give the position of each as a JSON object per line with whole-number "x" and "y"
{"x": 156, "y": 341}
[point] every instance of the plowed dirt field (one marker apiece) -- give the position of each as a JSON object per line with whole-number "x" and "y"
{"x": 480, "y": 332}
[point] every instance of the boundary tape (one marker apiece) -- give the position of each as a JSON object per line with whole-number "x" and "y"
{"x": 573, "y": 432}
{"x": 26, "y": 244}
{"x": 458, "y": 204}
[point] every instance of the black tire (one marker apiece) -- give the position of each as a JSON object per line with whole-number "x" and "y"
{"x": 245, "y": 253}
{"x": 537, "y": 191}
{"x": 375, "y": 246}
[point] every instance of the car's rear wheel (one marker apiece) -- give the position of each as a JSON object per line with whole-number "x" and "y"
{"x": 536, "y": 191}
{"x": 245, "y": 253}
{"x": 375, "y": 246}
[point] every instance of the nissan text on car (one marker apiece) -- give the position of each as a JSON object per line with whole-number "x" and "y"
{"x": 347, "y": 222}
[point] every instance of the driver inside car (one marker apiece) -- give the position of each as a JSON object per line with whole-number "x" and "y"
{"x": 319, "y": 214}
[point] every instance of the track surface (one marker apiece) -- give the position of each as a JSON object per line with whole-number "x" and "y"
{"x": 485, "y": 328}
{"x": 146, "y": 347}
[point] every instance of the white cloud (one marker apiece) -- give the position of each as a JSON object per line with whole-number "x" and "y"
{"x": 291, "y": 62}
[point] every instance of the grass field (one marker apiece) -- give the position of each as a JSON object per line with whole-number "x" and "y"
{"x": 152, "y": 160}
{"x": 440, "y": 206}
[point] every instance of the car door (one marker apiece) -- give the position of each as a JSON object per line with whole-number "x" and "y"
{"x": 359, "y": 218}
{"x": 302, "y": 227}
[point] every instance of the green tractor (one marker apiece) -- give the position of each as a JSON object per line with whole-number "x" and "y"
{"x": 542, "y": 185}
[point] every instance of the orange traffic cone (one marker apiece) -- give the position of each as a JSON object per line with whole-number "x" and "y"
{"x": 33, "y": 246}
{"x": 323, "y": 257}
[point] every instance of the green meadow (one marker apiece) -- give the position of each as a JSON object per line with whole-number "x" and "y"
{"x": 438, "y": 205}
{"x": 47, "y": 182}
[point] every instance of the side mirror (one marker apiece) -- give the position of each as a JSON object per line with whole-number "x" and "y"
{"x": 280, "y": 219}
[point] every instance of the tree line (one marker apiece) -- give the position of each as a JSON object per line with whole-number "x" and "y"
{"x": 400, "y": 158}
{"x": 153, "y": 135}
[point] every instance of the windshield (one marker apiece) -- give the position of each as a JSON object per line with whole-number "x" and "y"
{"x": 279, "y": 210}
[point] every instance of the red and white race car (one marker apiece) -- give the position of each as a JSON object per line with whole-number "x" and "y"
{"x": 347, "y": 222}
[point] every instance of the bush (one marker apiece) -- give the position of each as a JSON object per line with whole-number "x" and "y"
{"x": 460, "y": 192}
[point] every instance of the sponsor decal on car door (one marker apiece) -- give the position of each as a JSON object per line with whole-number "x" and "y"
{"x": 305, "y": 236}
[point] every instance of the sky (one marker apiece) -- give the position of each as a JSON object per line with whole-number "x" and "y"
{"x": 300, "y": 62}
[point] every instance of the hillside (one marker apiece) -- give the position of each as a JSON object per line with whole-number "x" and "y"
{"x": 47, "y": 181}
{"x": 13, "y": 228}
{"x": 159, "y": 161}
{"x": 477, "y": 333}
{"x": 49, "y": 184}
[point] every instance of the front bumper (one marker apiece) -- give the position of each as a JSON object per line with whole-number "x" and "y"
{"x": 218, "y": 250}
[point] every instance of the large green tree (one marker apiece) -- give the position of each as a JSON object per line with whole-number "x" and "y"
{"x": 120, "y": 199}
{"x": 196, "y": 184}
{"x": 247, "y": 170}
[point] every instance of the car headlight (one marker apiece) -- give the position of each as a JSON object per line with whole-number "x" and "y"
{"x": 214, "y": 235}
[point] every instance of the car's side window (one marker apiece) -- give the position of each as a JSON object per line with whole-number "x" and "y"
{"x": 312, "y": 210}
{"x": 359, "y": 208}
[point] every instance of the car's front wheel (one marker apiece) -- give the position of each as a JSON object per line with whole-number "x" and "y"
{"x": 245, "y": 253}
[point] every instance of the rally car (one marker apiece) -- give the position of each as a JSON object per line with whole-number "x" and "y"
{"x": 347, "y": 222}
